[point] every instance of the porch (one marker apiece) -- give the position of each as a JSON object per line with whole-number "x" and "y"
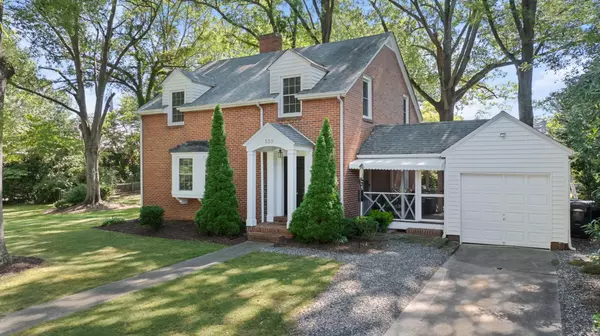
{"x": 410, "y": 187}
{"x": 288, "y": 161}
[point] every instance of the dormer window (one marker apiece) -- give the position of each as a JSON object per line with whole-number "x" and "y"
{"x": 291, "y": 106}
{"x": 177, "y": 99}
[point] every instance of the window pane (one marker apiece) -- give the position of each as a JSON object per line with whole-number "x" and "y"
{"x": 365, "y": 107}
{"x": 291, "y": 86}
{"x": 365, "y": 89}
{"x": 186, "y": 169}
{"x": 177, "y": 99}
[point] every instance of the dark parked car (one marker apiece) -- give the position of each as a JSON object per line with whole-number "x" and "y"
{"x": 582, "y": 212}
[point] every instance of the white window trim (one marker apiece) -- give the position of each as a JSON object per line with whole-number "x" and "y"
{"x": 405, "y": 109}
{"x": 170, "y": 108}
{"x": 280, "y": 109}
{"x": 198, "y": 177}
{"x": 369, "y": 81}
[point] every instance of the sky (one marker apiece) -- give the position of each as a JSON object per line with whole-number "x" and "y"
{"x": 545, "y": 81}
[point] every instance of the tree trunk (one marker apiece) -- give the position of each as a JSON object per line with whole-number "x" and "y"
{"x": 525, "y": 78}
{"x": 6, "y": 71}
{"x": 92, "y": 172}
{"x": 446, "y": 114}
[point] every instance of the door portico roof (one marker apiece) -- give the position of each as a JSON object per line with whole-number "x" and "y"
{"x": 273, "y": 135}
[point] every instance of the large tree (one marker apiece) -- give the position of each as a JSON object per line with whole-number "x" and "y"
{"x": 442, "y": 45}
{"x": 6, "y": 72}
{"x": 81, "y": 43}
{"x": 300, "y": 22}
{"x": 526, "y": 31}
{"x": 179, "y": 38}
{"x": 576, "y": 123}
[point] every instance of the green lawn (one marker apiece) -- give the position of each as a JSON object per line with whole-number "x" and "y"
{"x": 258, "y": 294}
{"x": 78, "y": 257}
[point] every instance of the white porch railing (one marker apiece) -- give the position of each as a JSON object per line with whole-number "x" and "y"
{"x": 405, "y": 206}
{"x": 402, "y": 205}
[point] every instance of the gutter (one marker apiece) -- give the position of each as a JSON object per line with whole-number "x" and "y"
{"x": 321, "y": 95}
{"x": 262, "y": 171}
{"x": 227, "y": 105}
{"x": 342, "y": 164}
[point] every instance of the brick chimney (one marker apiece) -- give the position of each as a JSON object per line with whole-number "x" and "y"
{"x": 270, "y": 42}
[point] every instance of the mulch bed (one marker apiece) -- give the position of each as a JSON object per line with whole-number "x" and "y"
{"x": 20, "y": 264}
{"x": 182, "y": 230}
{"x": 81, "y": 208}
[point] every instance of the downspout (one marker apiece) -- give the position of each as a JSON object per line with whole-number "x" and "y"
{"x": 569, "y": 207}
{"x": 262, "y": 172}
{"x": 341, "y": 101}
{"x": 141, "y": 161}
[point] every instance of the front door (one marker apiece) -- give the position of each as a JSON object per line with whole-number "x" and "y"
{"x": 299, "y": 181}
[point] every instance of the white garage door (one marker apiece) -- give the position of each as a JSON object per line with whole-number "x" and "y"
{"x": 506, "y": 210}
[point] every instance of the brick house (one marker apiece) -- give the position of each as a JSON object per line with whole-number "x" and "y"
{"x": 494, "y": 181}
{"x": 273, "y": 104}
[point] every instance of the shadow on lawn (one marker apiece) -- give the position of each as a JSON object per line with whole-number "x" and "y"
{"x": 257, "y": 294}
{"x": 78, "y": 258}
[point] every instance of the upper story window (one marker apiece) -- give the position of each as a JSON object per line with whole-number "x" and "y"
{"x": 177, "y": 99}
{"x": 405, "y": 110}
{"x": 186, "y": 174}
{"x": 367, "y": 100}
{"x": 291, "y": 106}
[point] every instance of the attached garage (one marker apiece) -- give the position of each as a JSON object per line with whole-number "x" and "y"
{"x": 494, "y": 181}
{"x": 508, "y": 184}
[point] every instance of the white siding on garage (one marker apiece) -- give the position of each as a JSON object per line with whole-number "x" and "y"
{"x": 291, "y": 64}
{"x": 519, "y": 152}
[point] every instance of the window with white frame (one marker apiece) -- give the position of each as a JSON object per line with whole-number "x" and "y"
{"x": 177, "y": 99}
{"x": 188, "y": 174}
{"x": 405, "y": 110}
{"x": 367, "y": 98}
{"x": 290, "y": 104}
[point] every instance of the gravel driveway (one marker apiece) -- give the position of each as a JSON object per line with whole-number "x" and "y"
{"x": 578, "y": 293}
{"x": 370, "y": 290}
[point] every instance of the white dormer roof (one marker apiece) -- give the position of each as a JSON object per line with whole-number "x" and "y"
{"x": 178, "y": 81}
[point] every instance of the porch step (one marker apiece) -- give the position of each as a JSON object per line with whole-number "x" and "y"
{"x": 280, "y": 220}
{"x": 268, "y": 232}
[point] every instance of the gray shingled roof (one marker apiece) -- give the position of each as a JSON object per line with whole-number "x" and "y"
{"x": 199, "y": 78}
{"x": 424, "y": 138}
{"x": 191, "y": 146}
{"x": 293, "y": 134}
{"x": 153, "y": 104}
{"x": 247, "y": 78}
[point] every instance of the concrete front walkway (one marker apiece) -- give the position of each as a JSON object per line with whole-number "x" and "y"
{"x": 485, "y": 290}
{"x": 35, "y": 315}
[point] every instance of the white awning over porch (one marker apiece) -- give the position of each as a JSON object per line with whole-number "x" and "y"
{"x": 414, "y": 163}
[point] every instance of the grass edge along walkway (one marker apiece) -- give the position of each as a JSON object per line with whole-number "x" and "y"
{"x": 32, "y": 316}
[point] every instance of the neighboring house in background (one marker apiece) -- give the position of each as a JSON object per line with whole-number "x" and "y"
{"x": 274, "y": 104}
{"x": 494, "y": 181}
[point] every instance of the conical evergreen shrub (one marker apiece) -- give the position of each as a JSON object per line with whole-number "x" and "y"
{"x": 319, "y": 217}
{"x": 219, "y": 212}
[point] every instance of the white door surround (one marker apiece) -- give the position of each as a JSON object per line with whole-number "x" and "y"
{"x": 506, "y": 209}
{"x": 272, "y": 140}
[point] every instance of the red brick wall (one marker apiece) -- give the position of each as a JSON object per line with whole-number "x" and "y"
{"x": 242, "y": 122}
{"x": 388, "y": 90}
